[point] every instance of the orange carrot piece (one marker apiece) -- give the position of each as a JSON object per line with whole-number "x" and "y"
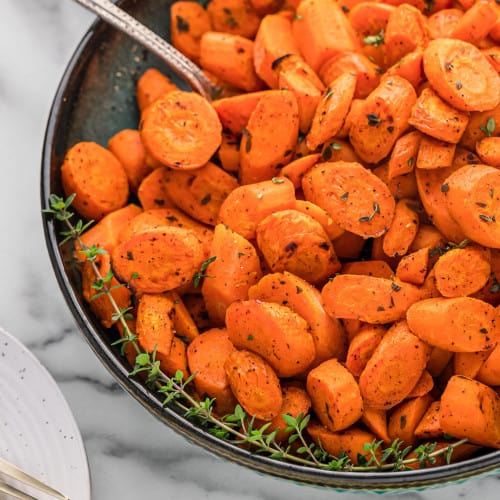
{"x": 229, "y": 152}
{"x": 413, "y": 267}
{"x": 230, "y": 58}
{"x": 447, "y": 64}
{"x": 488, "y": 150}
{"x": 335, "y": 395}
{"x": 442, "y": 23}
{"x": 337, "y": 149}
{"x": 492, "y": 54}
{"x": 254, "y": 383}
{"x": 289, "y": 290}
{"x": 362, "y": 346}
{"x": 273, "y": 331}
{"x": 476, "y": 22}
{"x": 369, "y": 18}
{"x": 350, "y": 441}
{"x": 437, "y": 321}
{"x": 403, "y": 155}
{"x": 382, "y": 119}
{"x": 274, "y": 40}
{"x": 400, "y": 186}
{"x": 439, "y": 359}
{"x": 368, "y": 298}
{"x": 158, "y": 260}
{"x": 378, "y": 268}
{"x": 403, "y": 229}
{"x": 296, "y": 169}
{"x": 348, "y": 245}
{"x": 428, "y": 237}
{"x": 410, "y": 67}
{"x": 376, "y": 421}
{"x": 468, "y": 364}
{"x": 424, "y": 385}
{"x": 151, "y": 85}
{"x": 332, "y": 110}
{"x": 489, "y": 371}
{"x": 188, "y": 22}
{"x": 235, "y": 269}
{"x": 434, "y": 153}
{"x": 107, "y": 233}
{"x": 154, "y": 323}
{"x": 473, "y": 200}
{"x": 401, "y": 356}
{"x": 96, "y": 177}
{"x": 481, "y": 124}
{"x": 181, "y": 130}
{"x": 406, "y": 31}
{"x": 356, "y": 199}
{"x": 434, "y": 117}
{"x": 127, "y": 146}
{"x": 206, "y": 356}
{"x": 429, "y": 426}
{"x": 462, "y": 271}
{"x": 322, "y": 30}
{"x": 332, "y": 230}
{"x": 152, "y": 192}
{"x": 265, "y": 146}
{"x": 405, "y": 418}
{"x": 470, "y": 409}
{"x": 197, "y": 310}
{"x": 99, "y": 304}
{"x": 175, "y": 360}
{"x": 252, "y": 202}
{"x": 233, "y": 16}
{"x": 367, "y": 73}
{"x": 294, "y": 241}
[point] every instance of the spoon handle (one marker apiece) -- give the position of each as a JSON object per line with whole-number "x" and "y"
{"x": 123, "y": 21}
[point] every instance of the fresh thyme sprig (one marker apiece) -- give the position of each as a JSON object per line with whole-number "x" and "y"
{"x": 238, "y": 427}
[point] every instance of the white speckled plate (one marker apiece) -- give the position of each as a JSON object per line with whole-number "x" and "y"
{"x": 38, "y": 432}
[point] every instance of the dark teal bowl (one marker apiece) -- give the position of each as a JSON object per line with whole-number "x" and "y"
{"x": 96, "y": 99}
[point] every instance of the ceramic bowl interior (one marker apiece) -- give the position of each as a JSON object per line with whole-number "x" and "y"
{"x": 95, "y": 100}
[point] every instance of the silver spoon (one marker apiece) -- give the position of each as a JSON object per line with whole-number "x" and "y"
{"x": 185, "y": 68}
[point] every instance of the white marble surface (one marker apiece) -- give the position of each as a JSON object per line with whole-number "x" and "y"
{"x": 131, "y": 455}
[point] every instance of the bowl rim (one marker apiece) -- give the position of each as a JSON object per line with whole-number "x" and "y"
{"x": 339, "y": 480}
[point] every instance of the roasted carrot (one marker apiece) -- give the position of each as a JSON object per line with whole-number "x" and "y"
{"x": 378, "y": 268}
{"x": 254, "y": 383}
{"x": 409, "y": 67}
{"x": 196, "y": 306}
{"x": 335, "y": 395}
{"x": 434, "y": 153}
{"x": 439, "y": 359}
{"x": 435, "y": 117}
{"x": 437, "y": 321}
{"x": 403, "y": 229}
{"x": 93, "y": 286}
{"x": 289, "y": 290}
{"x": 294, "y": 241}
{"x": 405, "y": 418}
{"x": 367, "y": 73}
{"x": 406, "y": 31}
{"x": 206, "y": 356}
{"x": 322, "y": 30}
{"x": 235, "y": 269}
{"x": 152, "y": 192}
{"x": 127, "y": 146}
{"x": 470, "y": 409}
{"x": 428, "y": 237}
{"x": 154, "y": 323}
{"x": 401, "y": 356}
{"x": 442, "y": 23}
{"x": 331, "y": 110}
{"x": 184, "y": 325}
{"x": 158, "y": 260}
{"x": 413, "y": 267}
{"x": 348, "y": 245}
{"x": 233, "y": 16}
{"x": 376, "y": 421}
{"x": 274, "y": 40}
{"x": 332, "y": 230}
{"x": 188, "y": 22}
{"x": 424, "y": 386}
{"x": 275, "y": 332}
{"x": 476, "y": 22}
{"x": 263, "y": 7}
{"x": 265, "y": 145}
{"x": 468, "y": 364}
{"x": 108, "y": 232}
{"x": 400, "y": 186}
{"x": 403, "y": 155}
{"x": 447, "y": 64}
{"x": 429, "y": 426}
{"x": 489, "y": 371}
{"x": 296, "y": 169}
{"x": 96, "y": 177}
{"x": 181, "y": 130}
{"x": 151, "y": 85}
{"x": 368, "y": 298}
{"x": 462, "y": 271}
{"x": 492, "y": 54}
{"x": 488, "y": 150}
{"x": 472, "y": 199}
{"x": 175, "y": 360}
{"x": 362, "y": 346}
{"x": 355, "y": 198}
{"x": 369, "y": 18}
{"x": 336, "y": 149}
{"x": 230, "y": 58}
{"x": 350, "y": 441}
{"x": 382, "y": 119}
{"x": 229, "y": 152}
{"x": 481, "y": 124}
